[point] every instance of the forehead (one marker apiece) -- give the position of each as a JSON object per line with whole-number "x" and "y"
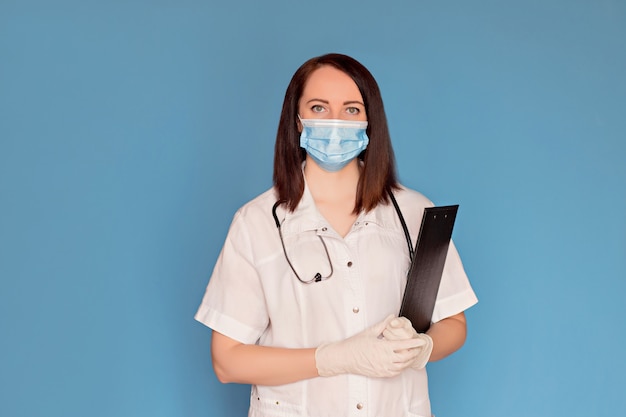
{"x": 329, "y": 83}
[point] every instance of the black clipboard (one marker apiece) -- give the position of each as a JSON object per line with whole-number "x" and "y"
{"x": 427, "y": 265}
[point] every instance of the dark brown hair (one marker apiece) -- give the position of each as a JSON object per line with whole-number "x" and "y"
{"x": 378, "y": 176}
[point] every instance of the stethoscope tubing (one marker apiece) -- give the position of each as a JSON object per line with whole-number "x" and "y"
{"x": 318, "y": 277}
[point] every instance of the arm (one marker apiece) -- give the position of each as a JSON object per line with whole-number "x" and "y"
{"x": 261, "y": 365}
{"x": 365, "y": 353}
{"x": 448, "y": 336}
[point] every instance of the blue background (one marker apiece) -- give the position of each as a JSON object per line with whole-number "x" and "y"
{"x": 130, "y": 132}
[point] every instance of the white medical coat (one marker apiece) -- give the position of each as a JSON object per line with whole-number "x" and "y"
{"x": 254, "y": 297}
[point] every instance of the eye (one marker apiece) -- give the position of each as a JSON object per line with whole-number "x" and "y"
{"x": 353, "y": 110}
{"x": 317, "y": 108}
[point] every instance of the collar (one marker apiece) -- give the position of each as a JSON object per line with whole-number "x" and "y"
{"x": 307, "y": 218}
{"x": 304, "y": 218}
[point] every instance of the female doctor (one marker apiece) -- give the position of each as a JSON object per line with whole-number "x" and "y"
{"x": 302, "y": 298}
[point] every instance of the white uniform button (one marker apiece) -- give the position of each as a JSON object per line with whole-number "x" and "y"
{"x": 359, "y": 406}
{"x": 355, "y": 310}
{"x": 349, "y": 264}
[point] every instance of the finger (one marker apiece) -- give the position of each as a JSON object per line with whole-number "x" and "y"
{"x": 380, "y": 327}
{"x": 401, "y": 322}
{"x": 413, "y": 343}
{"x": 406, "y": 357}
{"x": 397, "y": 334}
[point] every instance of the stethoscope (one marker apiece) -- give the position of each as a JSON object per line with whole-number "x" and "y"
{"x": 318, "y": 277}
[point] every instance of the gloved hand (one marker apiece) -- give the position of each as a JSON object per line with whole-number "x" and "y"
{"x": 368, "y": 354}
{"x": 400, "y": 328}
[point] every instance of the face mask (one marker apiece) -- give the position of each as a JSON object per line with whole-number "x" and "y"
{"x": 333, "y": 143}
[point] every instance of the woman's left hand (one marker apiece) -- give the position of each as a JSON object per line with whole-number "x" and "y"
{"x": 400, "y": 328}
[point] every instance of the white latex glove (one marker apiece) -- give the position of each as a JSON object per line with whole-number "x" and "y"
{"x": 400, "y": 328}
{"x": 368, "y": 354}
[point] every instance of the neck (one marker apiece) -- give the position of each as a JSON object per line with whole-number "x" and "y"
{"x": 332, "y": 187}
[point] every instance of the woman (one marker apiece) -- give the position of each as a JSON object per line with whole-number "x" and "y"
{"x": 303, "y": 295}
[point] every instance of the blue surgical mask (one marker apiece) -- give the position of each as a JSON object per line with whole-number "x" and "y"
{"x": 333, "y": 143}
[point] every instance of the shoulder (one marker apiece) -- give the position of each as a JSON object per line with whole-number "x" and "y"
{"x": 407, "y": 197}
{"x": 412, "y": 205}
{"x": 251, "y": 220}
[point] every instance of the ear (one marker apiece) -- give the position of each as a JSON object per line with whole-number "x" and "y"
{"x": 299, "y": 124}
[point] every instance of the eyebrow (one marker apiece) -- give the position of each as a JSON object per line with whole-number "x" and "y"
{"x": 345, "y": 102}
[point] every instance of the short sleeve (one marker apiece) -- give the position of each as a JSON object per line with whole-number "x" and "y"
{"x": 455, "y": 292}
{"x": 233, "y": 303}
